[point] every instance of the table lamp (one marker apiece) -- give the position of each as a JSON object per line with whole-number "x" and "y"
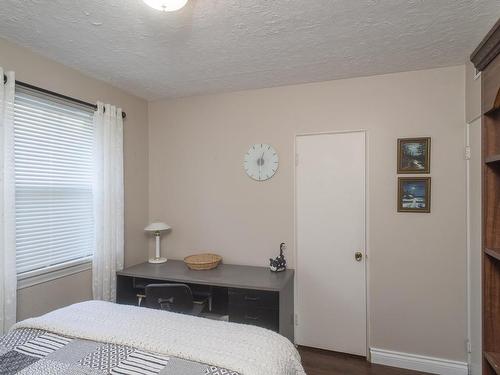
{"x": 156, "y": 228}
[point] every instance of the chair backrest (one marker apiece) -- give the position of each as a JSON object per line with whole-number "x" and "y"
{"x": 171, "y": 297}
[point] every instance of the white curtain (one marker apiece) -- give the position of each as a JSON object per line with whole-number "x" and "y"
{"x": 8, "y": 275}
{"x": 108, "y": 201}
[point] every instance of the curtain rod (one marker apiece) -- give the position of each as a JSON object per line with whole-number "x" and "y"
{"x": 68, "y": 98}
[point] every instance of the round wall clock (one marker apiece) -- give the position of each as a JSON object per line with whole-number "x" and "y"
{"x": 261, "y": 162}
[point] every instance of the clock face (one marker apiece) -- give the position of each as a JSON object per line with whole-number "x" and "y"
{"x": 261, "y": 162}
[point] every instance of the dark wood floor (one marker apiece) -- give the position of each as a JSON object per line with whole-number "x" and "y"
{"x": 322, "y": 362}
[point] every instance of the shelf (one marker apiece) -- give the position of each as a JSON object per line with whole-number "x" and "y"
{"x": 492, "y": 253}
{"x": 494, "y": 360}
{"x": 492, "y": 159}
{"x": 493, "y": 113}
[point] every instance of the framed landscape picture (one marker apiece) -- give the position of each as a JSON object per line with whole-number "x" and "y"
{"x": 414, "y": 155}
{"x": 414, "y": 194}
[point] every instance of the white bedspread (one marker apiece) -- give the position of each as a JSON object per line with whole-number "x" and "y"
{"x": 246, "y": 349}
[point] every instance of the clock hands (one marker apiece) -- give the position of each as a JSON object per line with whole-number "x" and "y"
{"x": 260, "y": 162}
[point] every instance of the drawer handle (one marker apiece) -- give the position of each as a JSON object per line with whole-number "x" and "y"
{"x": 247, "y": 298}
{"x": 251, "y": 317}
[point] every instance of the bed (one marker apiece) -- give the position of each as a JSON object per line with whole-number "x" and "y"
{"x": 98, "y": 338}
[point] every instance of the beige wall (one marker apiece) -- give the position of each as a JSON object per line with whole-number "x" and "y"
{"x": 41, "y": 298}
{"x": 197, "y": 184}
{"x": 34, "y": 69}
{"x": 417, "y": 261}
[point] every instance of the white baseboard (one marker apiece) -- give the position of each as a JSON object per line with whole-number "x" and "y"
{"x": 418, "y": 362}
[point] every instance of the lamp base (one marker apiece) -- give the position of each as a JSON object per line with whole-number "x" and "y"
{"x": 157, "y": 260}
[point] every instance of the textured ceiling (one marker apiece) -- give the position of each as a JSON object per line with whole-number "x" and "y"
{"x": 223, "y": 45}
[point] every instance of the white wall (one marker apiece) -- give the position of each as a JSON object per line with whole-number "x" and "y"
{"x": 472, "y": 93}
{"x": 474, "y": 241}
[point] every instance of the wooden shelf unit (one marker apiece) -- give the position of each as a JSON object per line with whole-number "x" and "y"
{"x": 486, "y": 58}
{"x": 493, "y": 113}
{"x": 493, "y": 360}
{"x": 494, "y": 253}
{"x": 492, "y": 159}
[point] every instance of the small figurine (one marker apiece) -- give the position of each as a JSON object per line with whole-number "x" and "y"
{"x": 278, "y": 264}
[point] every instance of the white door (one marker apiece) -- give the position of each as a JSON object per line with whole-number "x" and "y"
{"x": 330, "y": 204}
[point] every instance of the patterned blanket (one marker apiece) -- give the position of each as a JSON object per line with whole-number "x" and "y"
{"x": 27, "y": 351}
{"x": 245, "y": 349}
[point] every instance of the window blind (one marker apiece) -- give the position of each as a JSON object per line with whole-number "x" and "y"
{"x": 53, "y": 176}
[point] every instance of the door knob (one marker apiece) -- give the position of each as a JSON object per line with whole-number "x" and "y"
{"x": 358, "y": 255}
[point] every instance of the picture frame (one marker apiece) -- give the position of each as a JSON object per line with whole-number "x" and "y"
{"x": 414, "y": 155}
{"x": 414, "y": 194}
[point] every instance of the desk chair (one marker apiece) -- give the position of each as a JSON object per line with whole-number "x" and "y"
{"x": 172, "y": 297}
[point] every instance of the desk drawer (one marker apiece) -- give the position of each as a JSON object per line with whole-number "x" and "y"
{"x": 256, "y": 316}
{"x": 253, "y": 298}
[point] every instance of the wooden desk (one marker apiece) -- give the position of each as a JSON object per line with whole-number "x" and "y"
{"x": 250, "y": 295}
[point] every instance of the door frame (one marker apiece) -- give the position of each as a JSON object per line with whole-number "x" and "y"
{"x": 367, "y": 227}
{"x": 475, "y": 122}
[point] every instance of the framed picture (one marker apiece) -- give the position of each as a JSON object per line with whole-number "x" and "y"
{"x": 414, "y": 155}
{"x": 414, "y": 194}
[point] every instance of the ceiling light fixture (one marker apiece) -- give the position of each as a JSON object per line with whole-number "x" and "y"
{"x": 166, "y": 5}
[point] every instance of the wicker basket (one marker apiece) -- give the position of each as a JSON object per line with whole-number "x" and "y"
{"x": 201, "y": 262}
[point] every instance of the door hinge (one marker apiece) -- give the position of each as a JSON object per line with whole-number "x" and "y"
{"x": 467, "y": 152}
{"x": 296, "y": 319}
{"x": 468, "y": 346}
{"x": 296, "y": 159}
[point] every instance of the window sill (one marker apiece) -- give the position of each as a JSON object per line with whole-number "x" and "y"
{"x": 27, "y": 279}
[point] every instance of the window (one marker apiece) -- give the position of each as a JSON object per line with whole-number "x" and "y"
{"x": 53, "y": 175}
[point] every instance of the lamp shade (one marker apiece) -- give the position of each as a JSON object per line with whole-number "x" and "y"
{"x": 156, "y": 227}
